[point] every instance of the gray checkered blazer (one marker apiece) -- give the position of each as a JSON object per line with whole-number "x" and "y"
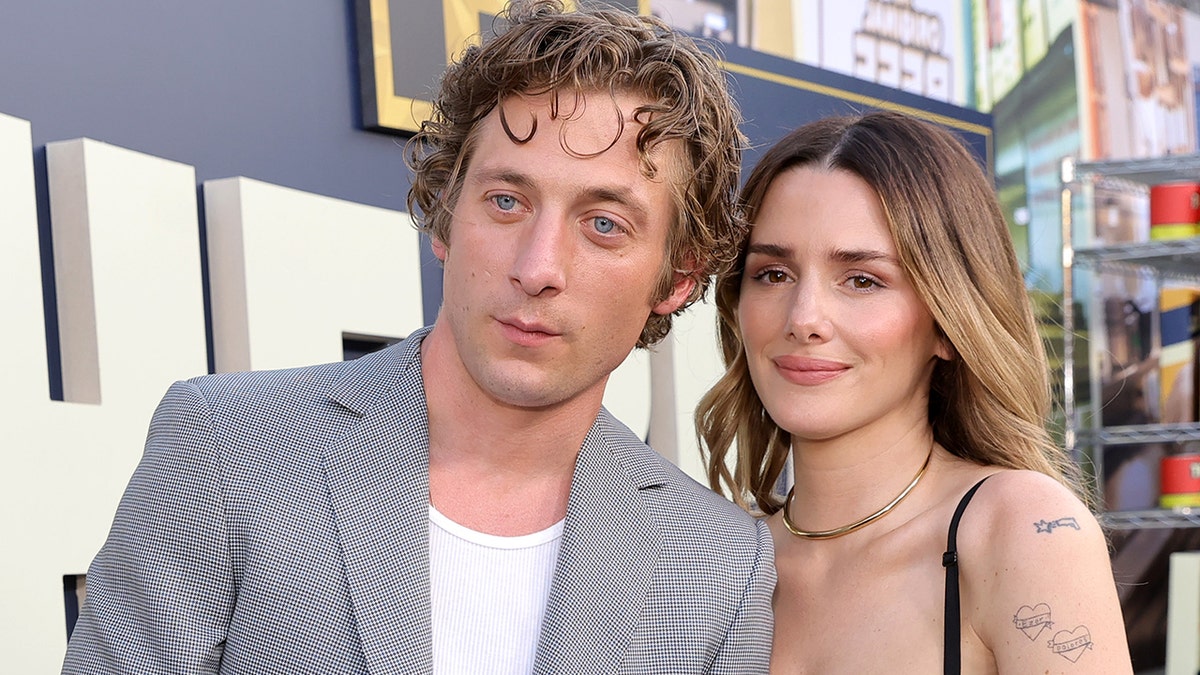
{"x": 278, "y": 523}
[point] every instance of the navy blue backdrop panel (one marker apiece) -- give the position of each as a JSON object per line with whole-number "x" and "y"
{"x": 778, "y": 95}
{"x": 267, "y": 90}
{"x": 271, "y": 90}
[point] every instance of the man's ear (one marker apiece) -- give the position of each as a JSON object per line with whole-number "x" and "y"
{"x": 439, "y": 249}
{"x": 682, "y": 283}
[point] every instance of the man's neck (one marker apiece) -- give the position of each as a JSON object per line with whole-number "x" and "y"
{"x": 494, "y": 467}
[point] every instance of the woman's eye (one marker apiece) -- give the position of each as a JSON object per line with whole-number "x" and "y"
{"x": 603, "y": 225}
{"x": 862, "y": 283}
{"x": 772, "y": 276}
{"x": 505, "y": 202}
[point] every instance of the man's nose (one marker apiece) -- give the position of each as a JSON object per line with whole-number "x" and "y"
{"x": 543, "y": 255}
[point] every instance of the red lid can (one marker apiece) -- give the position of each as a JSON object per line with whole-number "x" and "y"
{"x": 1175, "y": 204}
{"x": 1180, "y": 474}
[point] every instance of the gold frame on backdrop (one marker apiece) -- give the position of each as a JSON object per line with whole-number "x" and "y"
{"x": 461, "y": 20}
{"x": 387, "y": 111}
{"x": 392, "y": 112}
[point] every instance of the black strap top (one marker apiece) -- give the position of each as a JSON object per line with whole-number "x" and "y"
{"x": 952, "y": 660}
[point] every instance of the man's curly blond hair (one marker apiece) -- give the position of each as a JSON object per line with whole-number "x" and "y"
{"x": 542, "y": 48}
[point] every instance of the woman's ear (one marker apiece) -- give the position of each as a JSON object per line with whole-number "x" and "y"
{"x": 944, "y": 349}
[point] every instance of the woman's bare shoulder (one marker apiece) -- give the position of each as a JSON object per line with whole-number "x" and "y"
{"x": 1012, "y": 496}
{"x": 1038, "y": 588}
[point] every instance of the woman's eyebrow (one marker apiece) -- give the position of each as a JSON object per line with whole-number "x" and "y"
{"x": 773, "y": 250}
{"x": 860, "y": 255}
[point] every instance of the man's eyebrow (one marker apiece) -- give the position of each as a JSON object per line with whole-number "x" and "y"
{"x": 503, "y": 175}
{"x": 616, "y": 195}
{"x": 610, "y": 194}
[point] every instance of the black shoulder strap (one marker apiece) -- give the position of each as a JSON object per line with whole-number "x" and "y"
{"x": 952, "y": 659}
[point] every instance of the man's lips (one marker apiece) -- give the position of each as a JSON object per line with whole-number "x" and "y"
{"x": 527, "y": 333}
{"x": 529, "y": 326}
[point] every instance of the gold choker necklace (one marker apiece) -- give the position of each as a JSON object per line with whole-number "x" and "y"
{"x": 847, "y": 529}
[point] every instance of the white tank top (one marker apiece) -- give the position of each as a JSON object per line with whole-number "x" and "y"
{"x": 488, "y": 596}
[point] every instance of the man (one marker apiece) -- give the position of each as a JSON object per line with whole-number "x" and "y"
{"x": 461, "y": 503}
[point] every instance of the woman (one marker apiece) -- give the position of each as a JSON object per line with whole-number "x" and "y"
{"x": 877, "y": 330}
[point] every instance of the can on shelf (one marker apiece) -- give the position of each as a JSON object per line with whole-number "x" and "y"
{"x": 1174, "y": 210}
{"x": 1179, "y": 478}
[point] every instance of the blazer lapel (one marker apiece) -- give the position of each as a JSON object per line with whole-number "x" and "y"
{"x": 378, "y": 477}
{"x": 609, "y": 550}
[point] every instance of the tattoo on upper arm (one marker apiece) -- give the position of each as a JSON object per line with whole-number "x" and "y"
{"x": 1049, "y": 525}
{"x": 1033, "y": 620}
{"x": 1069, "y": 644}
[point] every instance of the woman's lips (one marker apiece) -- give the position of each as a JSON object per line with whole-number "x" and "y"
{"x": 805, "y": 370}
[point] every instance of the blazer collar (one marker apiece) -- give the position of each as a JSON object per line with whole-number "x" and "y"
{"x": 378, "y": 478}
{"x": 606, "y": 562}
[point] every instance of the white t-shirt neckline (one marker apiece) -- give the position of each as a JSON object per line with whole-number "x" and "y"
{"x": 494, "y": 540}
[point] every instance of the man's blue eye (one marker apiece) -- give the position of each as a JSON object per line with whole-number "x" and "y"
{"x": 603, "y": 225}
{"x": 505, "y": 202}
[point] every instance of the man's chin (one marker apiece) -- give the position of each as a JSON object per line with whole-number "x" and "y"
{"x": 528, "y": 390}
